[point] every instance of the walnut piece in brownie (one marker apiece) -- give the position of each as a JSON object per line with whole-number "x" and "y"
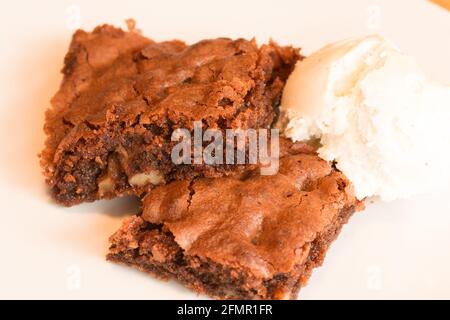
{"x": 246, "y": 237}
{"x": 122, "y": 96}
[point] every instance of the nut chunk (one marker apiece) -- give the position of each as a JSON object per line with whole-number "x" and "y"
{"x": 110, "y": 125}
{"x": 246, "y": 237}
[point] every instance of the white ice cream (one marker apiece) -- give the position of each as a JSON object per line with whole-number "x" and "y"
{"x": 375, "y": 113}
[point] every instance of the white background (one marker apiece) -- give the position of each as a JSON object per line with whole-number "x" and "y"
{"x": 394, "y": 250}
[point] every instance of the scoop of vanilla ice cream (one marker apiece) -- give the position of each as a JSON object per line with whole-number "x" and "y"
{"x": 377, "y": 116}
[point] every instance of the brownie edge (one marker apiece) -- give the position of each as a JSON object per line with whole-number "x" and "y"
{"x": 150, "y": 249}
{"x": 257, "y": 237}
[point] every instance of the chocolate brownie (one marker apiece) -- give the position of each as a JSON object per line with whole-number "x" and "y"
{"x": 110, "y": 125}
{"x": 246, "y": 237}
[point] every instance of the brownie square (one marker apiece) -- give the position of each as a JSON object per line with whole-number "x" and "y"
{"x": 241, "y": 237}
{"x": 123, "y": 95}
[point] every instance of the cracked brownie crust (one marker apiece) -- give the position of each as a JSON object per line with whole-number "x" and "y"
{"x": 245, "y": 237}
{"x": 122, "y": 96}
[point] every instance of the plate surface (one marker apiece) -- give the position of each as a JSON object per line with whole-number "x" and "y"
{"x": 391, "y": 250}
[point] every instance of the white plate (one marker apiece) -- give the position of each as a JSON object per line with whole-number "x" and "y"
{"x": 394, "y": 250}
